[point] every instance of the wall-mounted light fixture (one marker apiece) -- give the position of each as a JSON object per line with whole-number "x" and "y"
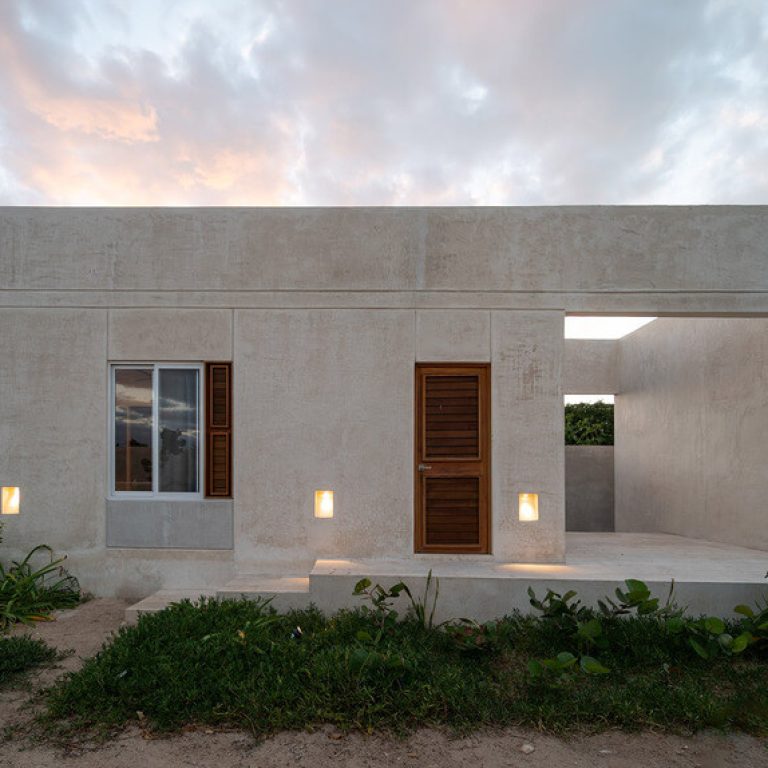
{"x": 10, "y": 500}
{"x": 528, "y": 507}
{"x": 324, "y": 504}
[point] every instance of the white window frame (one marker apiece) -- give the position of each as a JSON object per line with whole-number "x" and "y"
{"x": 155, "y": 493}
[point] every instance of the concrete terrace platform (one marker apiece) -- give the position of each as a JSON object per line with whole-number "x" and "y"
{"x": 162, "y": 599}
{"x": 285, "y": 592}
{"x": 709, "y": 577}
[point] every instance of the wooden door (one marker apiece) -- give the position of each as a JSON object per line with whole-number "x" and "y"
{"x": 452, "y": 461}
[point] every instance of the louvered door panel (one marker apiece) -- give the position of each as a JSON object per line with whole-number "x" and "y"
{"x": 218, "y": 475}
{"x": 219, "y": 463}
{"x": 451, "y": 427}
{"x": 219, "y": 395}
{"x": 452, "y": 507}
{"x": 452, "y": 458}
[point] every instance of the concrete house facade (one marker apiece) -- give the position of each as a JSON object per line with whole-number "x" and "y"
{"x": 176, "y": 385}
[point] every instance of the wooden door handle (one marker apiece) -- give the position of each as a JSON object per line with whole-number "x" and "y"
{"x": 424, "y": 467}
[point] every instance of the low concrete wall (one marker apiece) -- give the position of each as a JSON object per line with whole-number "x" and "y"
{"x": 485, "y": 599}
{"x": 589, "y": 488}
{"x": 204, "y": 524}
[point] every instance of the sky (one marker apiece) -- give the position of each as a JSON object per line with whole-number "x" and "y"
{"x": 383, "y": 102}
{"x": 599, "y": 327}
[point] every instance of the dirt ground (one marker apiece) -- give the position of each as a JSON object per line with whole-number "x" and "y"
{"x": 85, "y": 629}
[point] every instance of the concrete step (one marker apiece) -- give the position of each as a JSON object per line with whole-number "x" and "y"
{"x": 286, "y": 592}
{"x": 162, "y": 599}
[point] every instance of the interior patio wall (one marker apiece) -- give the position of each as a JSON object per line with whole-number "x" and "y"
{"x": 692, "y": 429}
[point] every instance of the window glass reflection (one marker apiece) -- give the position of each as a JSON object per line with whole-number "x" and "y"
{"x": 178, "y": 430}
{"x": 133, "y": 429}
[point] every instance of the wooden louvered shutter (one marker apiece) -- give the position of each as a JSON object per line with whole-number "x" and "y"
{"x": 452, "y": 458}
{"x": 218, "y": 463}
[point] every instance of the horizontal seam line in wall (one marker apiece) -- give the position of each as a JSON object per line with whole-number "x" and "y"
{"x": 511, "y": 291}
{"x": 700, "y": 313}
{"x": 398, "y": 307}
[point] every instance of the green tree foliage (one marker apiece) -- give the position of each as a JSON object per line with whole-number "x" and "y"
{"x": 589, "y": 424}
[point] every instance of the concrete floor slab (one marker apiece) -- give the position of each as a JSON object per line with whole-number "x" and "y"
{"x": 266, "y": 583}
{"x": 709, "y": 577}
{"x": 589, "y": 556}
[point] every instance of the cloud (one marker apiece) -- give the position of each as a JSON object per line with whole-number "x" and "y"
{"x": 385, "y": 102}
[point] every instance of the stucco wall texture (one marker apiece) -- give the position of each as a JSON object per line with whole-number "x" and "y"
{"x": 692, "y": 430}
{"x": 322, "y": 398}
{"x": 589, "y": 484}
{"x": 324, "y": 313}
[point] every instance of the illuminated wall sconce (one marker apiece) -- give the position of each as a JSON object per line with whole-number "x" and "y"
{"x": 10, "y": 500}
{"x": 528, "y": 507}
{"x": 324, "y": 504}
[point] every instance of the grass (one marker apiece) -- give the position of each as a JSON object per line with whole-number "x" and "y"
{"x": 237, "y": 664}
{"x": 19, "y": 654}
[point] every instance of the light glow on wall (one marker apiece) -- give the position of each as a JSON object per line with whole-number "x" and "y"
{"x": 11, "y": 500}
{"x": 324, "y": 504}
{"x": 528, "y": 507}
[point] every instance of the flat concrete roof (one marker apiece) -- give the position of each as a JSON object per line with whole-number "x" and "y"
{"x": 602, "y": 259}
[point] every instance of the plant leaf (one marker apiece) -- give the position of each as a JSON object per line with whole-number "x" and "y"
{"x": 699, "y": 648}
{"x": 590, "y": 629}
{"x": 593, "y": 666}
{"x": 714, "y": 626}
{"x": 741, "y": 642}
{"x": 565, "y": 660}
{"x": 535, "y": 668}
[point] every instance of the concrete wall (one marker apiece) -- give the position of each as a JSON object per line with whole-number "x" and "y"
{"x": 646, "y": 260}
{"x": 324, "y": 313}
{"x": 322, "y": 398}
{"x": 170, "y": 334}
{"x": 590, "y": 367}
{"x": 53, "y": 435}
{"x": 589, "y": 488}
{"x": 338, "y": 412}
{"x": 205, "y": 524}
{"x": 53, "y": 375}
{"x": 692, "y": 430}
{"x": 528, "y": 433}
{"x": 325, "y": 400}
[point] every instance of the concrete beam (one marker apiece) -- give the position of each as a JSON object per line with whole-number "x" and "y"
{"x": 635, "y": 259}
{"x": 590, "y": 367}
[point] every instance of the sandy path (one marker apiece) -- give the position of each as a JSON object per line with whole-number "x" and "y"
{"x": 85, "y": 629}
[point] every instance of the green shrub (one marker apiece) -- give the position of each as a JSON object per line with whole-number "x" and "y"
{"x": 30, "y": 590}
{"x": 239, "y": 664}
{"x": 582, "y": 630}
{"x": 589, "y": 424}
{"x": 20, "y": 653}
